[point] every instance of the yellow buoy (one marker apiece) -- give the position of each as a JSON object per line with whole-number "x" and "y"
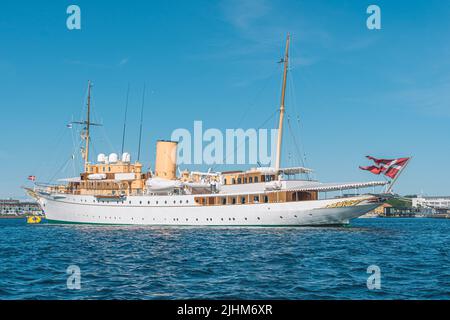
{"x": 34, "y": 219}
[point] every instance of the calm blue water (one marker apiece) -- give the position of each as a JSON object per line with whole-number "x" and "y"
{"x": 256, "y": 263}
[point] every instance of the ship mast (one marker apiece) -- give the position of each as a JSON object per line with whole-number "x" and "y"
{"x": 88, "y": 124}
{"x": 283, "y": 91}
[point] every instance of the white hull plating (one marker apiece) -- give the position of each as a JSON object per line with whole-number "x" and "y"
{"x": 182, "y": 211}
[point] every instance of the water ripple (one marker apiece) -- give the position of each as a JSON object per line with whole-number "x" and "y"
{"x": 227, "y": 263}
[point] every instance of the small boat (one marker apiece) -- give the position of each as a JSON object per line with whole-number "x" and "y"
{"x": 34, "y": 219}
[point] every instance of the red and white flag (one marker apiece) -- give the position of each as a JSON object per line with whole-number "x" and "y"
{"x": 32, "y": 178}
{"x": 388, "y": 167}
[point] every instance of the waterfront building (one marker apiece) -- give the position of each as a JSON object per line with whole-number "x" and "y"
{"x": 433, "y": 202}
{"x": 17, "y": 208}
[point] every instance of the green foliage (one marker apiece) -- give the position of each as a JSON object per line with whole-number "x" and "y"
{"x": 400, "y": 203}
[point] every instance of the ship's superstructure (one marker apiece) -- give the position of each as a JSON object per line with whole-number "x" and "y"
{"x": 115, "y": 190}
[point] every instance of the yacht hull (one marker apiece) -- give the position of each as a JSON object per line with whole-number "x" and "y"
{"x": 141, "y": 211}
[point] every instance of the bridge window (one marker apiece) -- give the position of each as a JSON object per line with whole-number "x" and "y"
{"x": 256, "y": 199}
{"x": 243, "y": 200}
{"x": 224, "y": 201}
{"x": 266, "y": 199}
{"x": 250, "y": 180}
{"x": 239, "y": 180}
{"x": 245, "y": 180}
{"x": 233, "y": 181}
{"x": 233, "y": 200}
{"x": 256, "y": 179}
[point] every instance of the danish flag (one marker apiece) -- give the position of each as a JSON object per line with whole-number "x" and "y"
{"x": 32, "y": 178}
{"x": 388, "y": 167}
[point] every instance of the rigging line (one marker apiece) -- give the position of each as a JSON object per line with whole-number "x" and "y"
{"x": 140, "y": 128}
{"x": 61, "y": 168}
{"x": 295, "y": 105}
{"x": 125, "y": 119}
{"x": 242, "y": 142}
{"x": 38, "y": 168}
{"x": 258, "y": 93}
{"x": 297, "y": 148}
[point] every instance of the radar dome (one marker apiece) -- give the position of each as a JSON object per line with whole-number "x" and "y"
{"x": 126, "y": 157}
{"x": 101, "y": 158}
{"x": 113, "y": 158}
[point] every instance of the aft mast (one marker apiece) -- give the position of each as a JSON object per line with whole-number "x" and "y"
{"x": 283, "y": 91}
{"x": 88, "y": 124}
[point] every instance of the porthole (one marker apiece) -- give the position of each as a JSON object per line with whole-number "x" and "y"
{"x": 140, "y": 202}
{"x": 165, "y": 202}
{"x": 259, "y": 218}
{"x": 148, "y": 202}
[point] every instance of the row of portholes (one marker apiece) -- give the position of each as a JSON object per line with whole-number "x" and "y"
{"x": 177, "y": 219}
{"x": 140, "y": 202}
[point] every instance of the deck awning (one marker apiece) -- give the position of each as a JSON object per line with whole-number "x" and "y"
{"x": 338, "y": 186}
{"x": 74, "y": 179}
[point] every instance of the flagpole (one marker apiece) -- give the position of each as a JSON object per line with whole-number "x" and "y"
{"x": 398, "y": 175}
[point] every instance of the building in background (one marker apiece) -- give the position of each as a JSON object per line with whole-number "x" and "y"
{"x": 10, "y": 207}
{"x": 440, "y": 204}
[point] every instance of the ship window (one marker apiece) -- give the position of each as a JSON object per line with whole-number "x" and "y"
{"x": 243, "y": 200}
{"x": 157, "y": 202}
{"x": 250, "y": 180}
{"x": 266, "y": 199}
{"x": 233, "y": 200}
{"x": 129, "y": 202}
{"x": 140, "y": 202}
{"x": 233, "y": 181}
{"x": 165, "y": 202}
{"x": 256, "y": 199}
{"x": 148, "y": 202}
{"x": 245, "y": 180}
{"x": 224, "y": 200}
{"x": 245, "y": 218}
{"x": 239, "y": 180}
{"x": 259, "y": 218}
{"x": 263, "y": 178}
{"x": 187, "y": 201}
{"x": 174, "y": 201}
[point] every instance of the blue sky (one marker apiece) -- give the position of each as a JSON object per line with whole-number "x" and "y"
{"x": 357, "y": 91}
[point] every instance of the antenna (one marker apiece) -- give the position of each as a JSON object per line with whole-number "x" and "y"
{"x": 125, "y": 119}
{"x": 140, "y": 129}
